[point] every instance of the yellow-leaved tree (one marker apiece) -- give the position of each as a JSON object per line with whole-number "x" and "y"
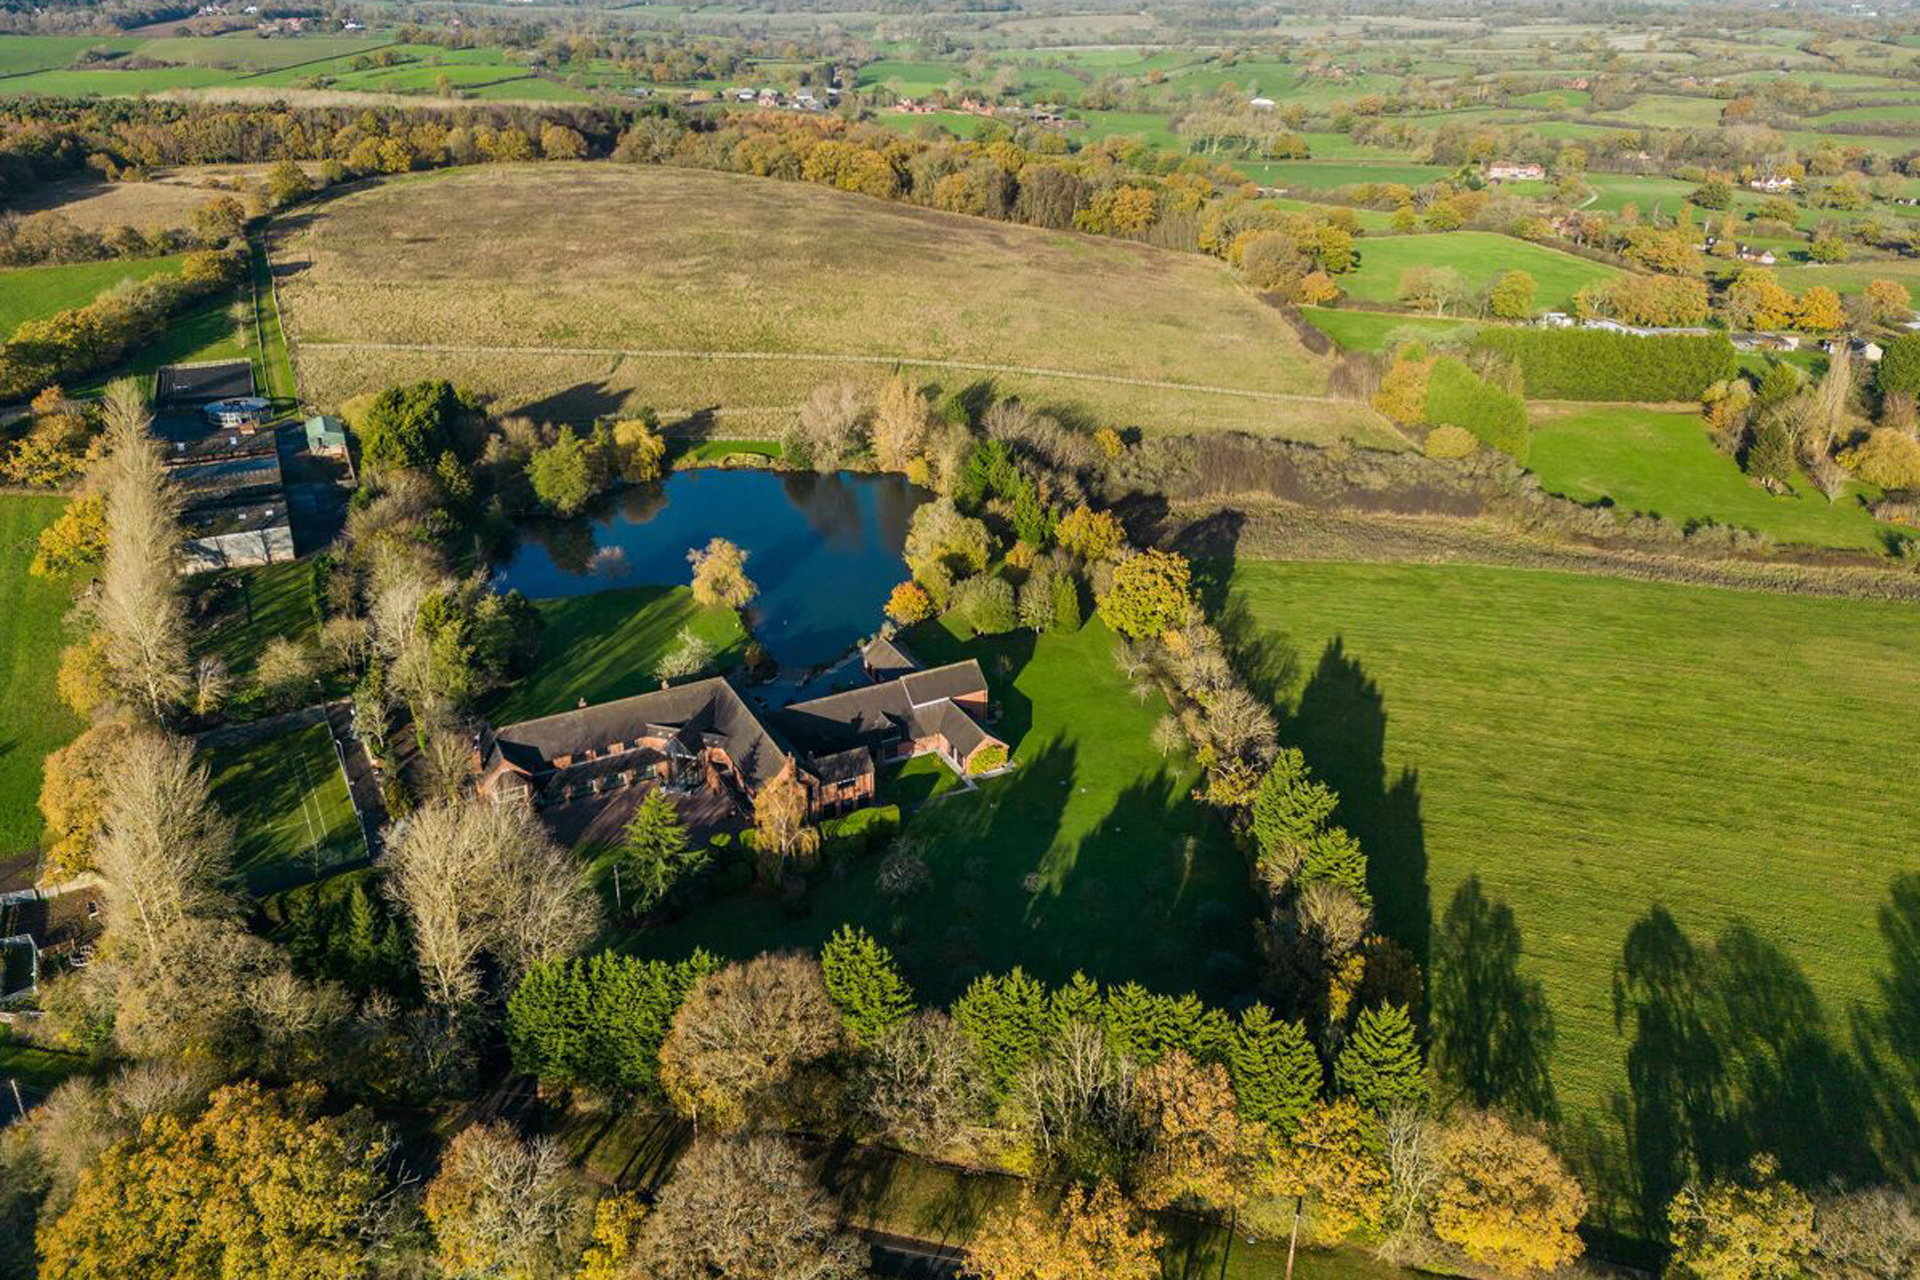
{"x": 1504, "y": 1199}
{"x": 1086, "y": 1237}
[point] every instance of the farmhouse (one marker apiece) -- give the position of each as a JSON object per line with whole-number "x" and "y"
{"x": 1772, "y": 183}
{"x": 1514, "y": 171}
{"x": 704, "y": 740}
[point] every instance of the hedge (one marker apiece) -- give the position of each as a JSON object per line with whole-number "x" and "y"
{"x": 1594, "y": 364}
{"x": 860, "y": 832}
{"x": 1459, "y": 397}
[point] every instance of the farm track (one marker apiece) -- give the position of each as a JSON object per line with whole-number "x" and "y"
{"x": 966, "y": 366}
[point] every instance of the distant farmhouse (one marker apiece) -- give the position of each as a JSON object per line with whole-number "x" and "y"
{"x": 1773, "y": 182}
{"x": 704, "y": 741}
{"x": 227, "y": 464}
{"x": 1514, "y": 171}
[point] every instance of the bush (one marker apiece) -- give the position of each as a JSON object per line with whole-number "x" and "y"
{"x": 1899, "y": 367}
{"x": 1593, "y": 364}
{"x": 861, "y": 832}
{"x": 1449, "y": 441}
{"x": 987, "y": 759}
{"x": 1457, "y": 396}
{"x": 1889, "y": 459}
{"x": 986, "y": 604}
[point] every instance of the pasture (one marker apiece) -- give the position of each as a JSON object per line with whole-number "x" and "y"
{"x": 1479, "y": 256}
{"x": 1090, "y": 856}
{"x": 33, "y": 720}
{"x": 1314, "y": 175}
{"x": 168, "y": 199}
{"x": 34, "y": 293}
{"x": 1577, "y": 781}
{"x": 1655, "y": 463}
{"x": 575, "y": 290}
{"x": 1384, "y": 330}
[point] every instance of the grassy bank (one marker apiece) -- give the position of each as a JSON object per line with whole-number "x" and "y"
{"x": 33, "y": 720}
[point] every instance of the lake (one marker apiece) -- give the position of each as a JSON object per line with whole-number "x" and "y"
{"x": 823, "y": 549}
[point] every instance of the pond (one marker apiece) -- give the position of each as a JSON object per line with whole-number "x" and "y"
{"x": 823, "y": 549}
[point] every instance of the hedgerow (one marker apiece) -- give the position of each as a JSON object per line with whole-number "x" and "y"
{"x": 1459, "y": 397}
{"x": 1593, "y": 364}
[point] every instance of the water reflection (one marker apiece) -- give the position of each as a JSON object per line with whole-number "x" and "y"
{"x": 825, "y": 550}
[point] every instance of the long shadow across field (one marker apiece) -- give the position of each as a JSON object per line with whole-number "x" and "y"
{"x": 1731, "y": 1055}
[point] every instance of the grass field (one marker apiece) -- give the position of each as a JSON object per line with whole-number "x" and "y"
{"x": 33, "y": 720}
{"x": 605, "y": 646}
{"x": 1597, "y": 752}
{"x": 167, "y": 199}
{"x": 1478, "y": 256}
{"x": 1091, "y": 855}
{"x": 1379, "y": 330}
{"x": 272, "y": 600}
{"x": 577, "y": 290}
{"x": 22, "y": 54}
{"x": 1643, "y": 460}
{"x": 1314, "y": 175}
{"x": 292, "y": 816}
{"x": 34, "y": 293}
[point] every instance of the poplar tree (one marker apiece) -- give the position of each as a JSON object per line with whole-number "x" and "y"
{"x": 864, "y": 984}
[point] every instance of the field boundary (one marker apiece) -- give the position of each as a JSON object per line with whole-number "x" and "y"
{"x": 811, "y": 357}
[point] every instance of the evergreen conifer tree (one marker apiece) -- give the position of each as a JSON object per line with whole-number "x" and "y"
{"x": 1276, "y": 1074}
{"x": 1007, "y": 1020}
{"x": 655, "y": 856}
{"x": 865, "y": 984}
{"x": 1289, "y": 810}
{"x": 1381, "y": 1063}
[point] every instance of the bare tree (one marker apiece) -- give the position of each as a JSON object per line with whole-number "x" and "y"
{"x": 919, "y": 1084}
{"x": 1870, "y": 1234}
{"x": 211, "y": 684}
{"x": 483, "y": 878}
{"x": 163, "y": 849}
{"x": 1080, "y": 1089}
{"x": 832, "y": 425}
{"x": 743, "y": 1032}
{"x": 1334, "y": 917}
{"x": 1410, "y": 1141}
{"x": 140, "y": 610}
{"x": 745, "y": 1208}
{"x": 900, "y": 423}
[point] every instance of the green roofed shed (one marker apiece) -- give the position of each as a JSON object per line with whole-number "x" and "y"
{"x": 326, "y": 435}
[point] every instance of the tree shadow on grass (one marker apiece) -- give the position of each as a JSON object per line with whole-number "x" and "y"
{"x": 1492, "y": 1030}
{"x": 1340, "y": 724}
{"x": 1732, "y": 1055}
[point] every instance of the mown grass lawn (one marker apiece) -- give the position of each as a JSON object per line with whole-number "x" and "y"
{"x": 1090, "y": 856}
{"x": 606, "y": 645}
{"x": 293, "y": 819}
{"x": 268, "y": 600}
{"x": 34, "y": 293}
{"x": 1606, "y": 755}
{"x": 1478, "y": 256}
{"x": 1655, "y": 463}
{"x": 1380, "y": 330}
{"x": 33, "y": 720}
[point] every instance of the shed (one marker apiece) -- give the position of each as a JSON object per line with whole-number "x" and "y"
{"x": 327, "y": 436}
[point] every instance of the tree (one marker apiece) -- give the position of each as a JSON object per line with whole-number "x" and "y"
{"x": 943, "y": 544}
{"x": 1889, "y": 300}
{"x": 1755, "y": 1227}
{"x": 1007, "y": 1020}
{"x": 918, "y": 1082}
{"x": 1819, "y": 310}
{"x": 1770, "y": 457}
{"x": 77, "y": 540}
{"x": 140, "y": 610}
{"x": 1066, "y": 604}
{"x": 598, "y": 1023}
{"x": 1889, "y": 458}
{"x": 1899, "y": 367}
{"x": 261, "y": 1183}
{"x": 1197, "y": 1149}
{"x": 74, "y": 790}
{"x": 1096, "y": 1236}
{"x": 616, "y": 1227}
{"x": 286, "y": 670}
{"x": 568, "y": 473}
{"x": 901, "y": 421}
{"x": 288, "y": 183}
{"x": 1276, "y": 1074}
{"x": 163, "y": 848}
{"x": 986, "y": 604}
{"x": 831, "y": 427}
{"x": 909, "y": 603}
{"x": 1380, "y": 1065}
{"x": 406, "y": 426}
{"x": 741, "y": 1035}
{"x": 503, "y": 1207}
{"x": 479, "y": 879}
{"x": 558, "y": 142}
{"x": 864, "y": 984}
{"x": 1089, "y": 534}
{"x": 1332, "y": 1172}
{"x": 1290, "y": 810}
{"x": 655, "y": 857}
{"x": 720, "y": 575}
{"x": 1504, "y": 1199}
{"x": 1756, "y": 300}
{"x": 1151, "y": 594}
{"x": 1403, "y": 390}
{"x": 744, "y": 1208}
{"x": 1870, "y": 1234}
{"x": 780, "y": 821}
{"x": 639, "y": 452}
{"x": 691, "y": 654}
{"x": 1512, "y": 296}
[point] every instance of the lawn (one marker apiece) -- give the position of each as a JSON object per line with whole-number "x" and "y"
{"x": 1379, "y": 330}
{"x": 1478, "y": 256}
{"x": 33, "y": 720}
{"x": 293, "y": 819}
{"x": 911, "y": 79}
{"x": 1091, "y": 855}
{"x": 1598, "y": 752}
{"x": 268, "y": 600}
{"x": 580, "y": 290}
{"x": 34, "y": 293}
{"x": 1316, "y": 175}
{"x": 1643, "y": 460}
{"x": 606, "y": 645}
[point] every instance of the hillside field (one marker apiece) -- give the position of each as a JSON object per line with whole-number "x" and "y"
{"x": 1597, "y": 752}
{"x": 33, "y": 720}
{"x": 34, "y": 293}
{"x": 1478, "y": 256}
{"x": 575, "y": 291}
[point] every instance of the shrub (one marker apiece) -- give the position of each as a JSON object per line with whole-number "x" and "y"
{"x": 1449, "y": 441}
{"x": 859, "y": 833}
{"x": 1457, "y": 396}
{"x": 986, "y": 604}
{"x": 987, "y": 759}
{"x": 1899, "y": 367}
{"x": 1889, "y": 459}
{"x": 1593, "y": 364}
